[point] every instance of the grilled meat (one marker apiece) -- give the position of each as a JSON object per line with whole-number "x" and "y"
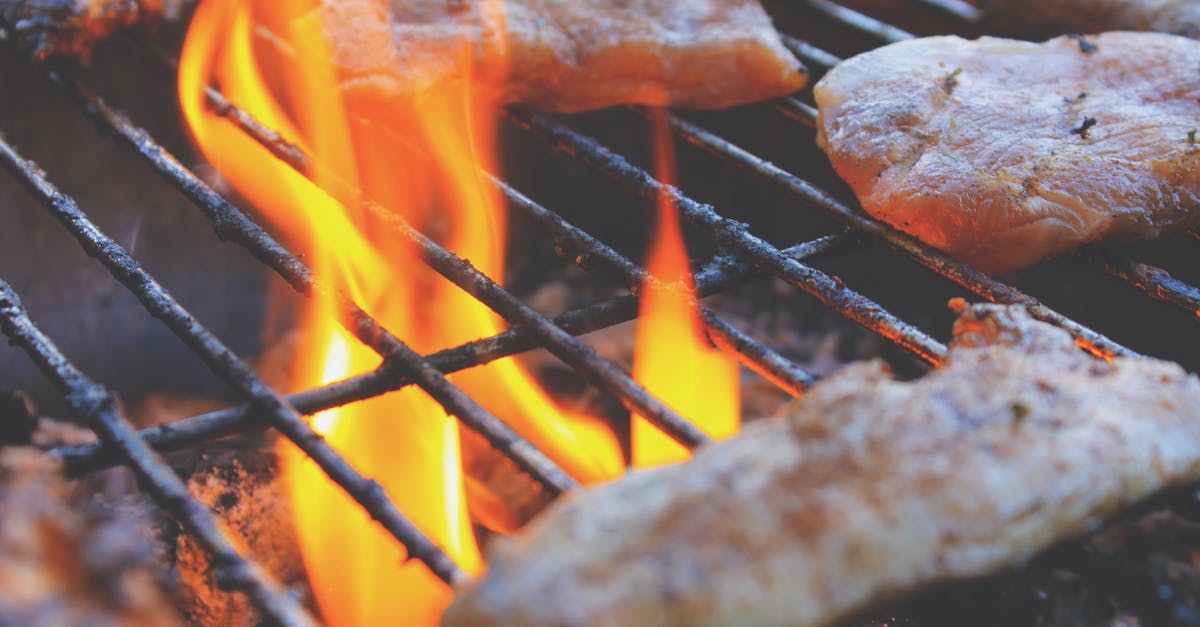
{"x": 68, "y": 562}
{"x": 568, "y": 55}
{"x": 867, "y": 489}
{"x": 72, "y": 27}
{"x": 1054, "y": 17}
{"x": 1004, "y": 152}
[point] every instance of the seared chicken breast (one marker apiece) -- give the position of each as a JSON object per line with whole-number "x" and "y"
{"x": 867, "y": 489}
{"x": 567, "y": 55}
{"x": 1054, "y": 17}
{"x": 1005, "y": 152}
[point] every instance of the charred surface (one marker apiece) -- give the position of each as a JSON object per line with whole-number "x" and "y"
{"x": 71, "y": 28}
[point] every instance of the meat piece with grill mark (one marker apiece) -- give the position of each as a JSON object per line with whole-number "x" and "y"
{"x": 1054, "y": 17}
{"x": 71, "y": 27}
{"x": 70, "y": 561}
{"x": 866, "y": 490}
{"x": 566, "y": 55}
{"x": 1005, "y": 152}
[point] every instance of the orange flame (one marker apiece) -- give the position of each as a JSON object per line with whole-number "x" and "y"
{"x": 417, "y": 156}
{"x": 673, "y": 358}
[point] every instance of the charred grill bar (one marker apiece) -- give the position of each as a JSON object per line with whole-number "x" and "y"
{"x": 754, "y": 355}
{"x": 967, "y": 13}
{"x": 856, "y": 20}
{"x": 231, "y": 224}
{"x": 100, "y": 409}
{"x": 759, "y": 357}
{"x": 716, "y": 278}
{"x": 227, "y": 365}
{"x": 735, "y": 236}
{"x": 966, "y": 276}
{"x": 745, "y": 257}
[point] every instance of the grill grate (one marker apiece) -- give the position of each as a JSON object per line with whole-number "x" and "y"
{"x": 744, "y": 257}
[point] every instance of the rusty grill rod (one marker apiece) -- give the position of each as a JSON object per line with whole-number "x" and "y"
{"x": 797, "y": 110}
{"x": 756, "y": 356}
{"x": 766, "y": 362}
{"x": 812, "y": 56}
{"x": 608, "y": 375}
{"x": 854, "y": 19}
{"x": 563, "y": 345}
{"x": 226, "y": 364}
{"x": 964, "y": 12}
{"x": 98, "y": 407}
{"x": 1155, "y": 282}
{"x": 759, "y": 358}
{"x": 736, "y": 237}
{"x": 960, "y": 273}
{"x": 231, "y": 224}
{"x": 717, "y": 277}
{"x": 268, "y": 137}
{"x": 462, "y": 273}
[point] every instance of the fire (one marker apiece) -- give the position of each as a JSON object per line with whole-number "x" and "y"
{"x": 422, "y": 159}
{"x": 673, "y": 358}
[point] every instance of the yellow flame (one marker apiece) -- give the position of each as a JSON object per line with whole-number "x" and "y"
{"x": 420, "y": 157}
{"x": 673, "y": 358}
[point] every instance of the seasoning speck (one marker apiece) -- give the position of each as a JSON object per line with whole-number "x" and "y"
{"x": 1085, "y": 46}
{"x": 951, "y": 80}
{"x": 1082, "y": 129}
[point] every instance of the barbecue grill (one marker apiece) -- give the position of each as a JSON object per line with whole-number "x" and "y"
{"x": 1159, "y": 321}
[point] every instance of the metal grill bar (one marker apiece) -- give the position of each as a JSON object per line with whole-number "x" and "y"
{"x": 462, "y": 273}
{"x": 582, "y": 357}
{"x": 231, "y": 224}
{"x": 228, "y": 366}
{"x": 798, "y": 111}
{"x": 858, "y": 21}
{"x": 960, "y": 273}
{"x": 962, "y": 11}
{"x": 811, "y": 55}
{"x": 566, "y": 347}
{"x": 751, "y": 353}
{"x": 736, "y": 237}
{"x": 716, "y": 278}
{"x": 1156, "y": 282}
{"x": 97, "y": 406}
{"x": 269, "y": 138}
